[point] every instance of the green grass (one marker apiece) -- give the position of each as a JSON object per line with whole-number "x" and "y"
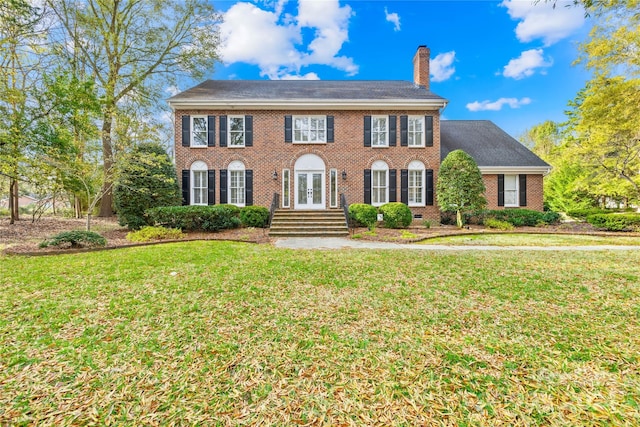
{"x": 520, "y": 239}
{"x": 214, "y": 333}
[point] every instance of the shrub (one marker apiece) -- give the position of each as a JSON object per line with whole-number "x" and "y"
{"x": 523, "y": 217}
{"x": 189, "y": 218}
{"x": 498, "y": 224}
{"x": 584, "y": 213}
{"x": 615, "y": 222}
{"x": 148, "y": 233}
{"x": 363, "y": 215}
{"x": 147, "y": 180}
{"x": 427, "y": 223}
{"x": 254, "y": 216}
{"x": 75, "y": 239}
{"x": 396, "y": 215}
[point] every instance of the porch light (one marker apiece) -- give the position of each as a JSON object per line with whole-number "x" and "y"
{"x": 344, "y": 174}
{"x": 275, "y": 174}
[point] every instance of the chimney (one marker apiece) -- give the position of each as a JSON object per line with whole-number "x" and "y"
{"x": 421, "y": 67}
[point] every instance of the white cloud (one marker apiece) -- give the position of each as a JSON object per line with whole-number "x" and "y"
{"x": 542, "y": 21}
{"x": 172, "y": 90}
{"x": 394, "y": 18}
{"x": 308, "y": 76}
{"x": 441, "y": 67}
{"x": 526, "y": 64}
{"x": 497, "y": 105}
{"x": 271, "y": 39}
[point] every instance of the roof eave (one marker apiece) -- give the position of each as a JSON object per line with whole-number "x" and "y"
{"x": 309, "y": 104}
{"x": 531, "y": 170}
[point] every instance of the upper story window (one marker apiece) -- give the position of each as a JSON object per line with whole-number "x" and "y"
{"x": 199, "y": 131}
{"x": 309, "y": 129}
{"x": 415, "y": 131}
{"x": 379, "y": 131}
{"x": 236, "y": 131}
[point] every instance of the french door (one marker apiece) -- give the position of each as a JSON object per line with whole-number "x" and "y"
{"x": 309, "y": 190}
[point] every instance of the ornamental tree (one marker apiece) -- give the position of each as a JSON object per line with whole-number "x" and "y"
{"x": 460, "y": 187}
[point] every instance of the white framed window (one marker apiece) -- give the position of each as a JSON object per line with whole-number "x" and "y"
{"x": 199, "y": 183}
{"x": 379, "y": 183}
{"x": 309, "y": 129}
{"x": 236, "y": 131}
{"x": 333, "y": 188}
{"x": 199, "y": 131}
{"x": 379, "y": 131}
{"x": 415, "y": 131}
{"x": 236, "y": 183}
{"x": 285, "y": 188}
{"x": 511, "y": 191}
{"x": 416, "y": 183}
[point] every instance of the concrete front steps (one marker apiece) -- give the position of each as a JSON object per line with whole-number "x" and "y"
{"x": 321, "y": 223}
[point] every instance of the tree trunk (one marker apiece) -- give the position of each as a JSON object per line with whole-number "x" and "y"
{"x": 106, "y": 202}
{"x": 459, "y": 219}
{"x": 14, "y": 201}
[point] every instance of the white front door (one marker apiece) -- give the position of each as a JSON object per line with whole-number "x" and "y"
{"x": 309, "y": 190}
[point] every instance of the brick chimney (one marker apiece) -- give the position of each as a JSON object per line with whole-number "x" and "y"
{"x": 421, "y": 67}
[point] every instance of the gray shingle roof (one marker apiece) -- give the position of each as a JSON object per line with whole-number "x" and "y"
{"x": 243, "y": 90}
{"x": 489, "y": 145}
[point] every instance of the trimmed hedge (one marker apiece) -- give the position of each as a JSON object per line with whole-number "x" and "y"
{"x": 523, "y": 217}
{"x": 363, "y": 215}
{"x": 497, "y": 224}
{"x": 75, "y": 239}
{"x": 584, "y": 213}
{"x": 192, "y": 218}
{"x": 148, "y": 233}
{"x": 396, "y": 215}
{"x": 254, "y": 216}
{"x": 615, "y": 222}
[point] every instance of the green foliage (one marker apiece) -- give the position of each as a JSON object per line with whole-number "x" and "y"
{"x": 542, "y": 139}
{"x": 149, "y": 233}
{"x": 363, "y": 215}
{"x": 254, "y": 216}
{"x": 498, "y": 224}
{"x": 460, "y": 187}
{"x": 427, "y": 223}
{"x": 396, "y": 215}
{"x": 615, "y": 222}
{"x": 147, "y": 180}
{"x": 75, "y": 239}
{"x": 584, "y": 213}
{"x": 522, "y": 217}
{"x": 192, "y": 218}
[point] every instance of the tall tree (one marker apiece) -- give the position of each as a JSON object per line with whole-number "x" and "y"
{"x": 134, "y": 49}
{"x": 460, "y": 187}
{"x": 542, "y": 139}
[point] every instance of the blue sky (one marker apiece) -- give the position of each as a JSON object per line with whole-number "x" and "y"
{"x": 505, "y": 61}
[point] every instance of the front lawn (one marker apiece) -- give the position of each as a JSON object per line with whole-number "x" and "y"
{"x": 214, "y": 333}
{"x": 522, "y": 239}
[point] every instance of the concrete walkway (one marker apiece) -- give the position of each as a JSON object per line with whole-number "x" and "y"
{"x": 342, "y": 243}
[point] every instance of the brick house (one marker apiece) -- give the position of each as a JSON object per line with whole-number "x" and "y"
{"x": 241, "y": 142}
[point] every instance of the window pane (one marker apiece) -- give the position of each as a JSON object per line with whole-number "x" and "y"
{"x": 199, "y": 131}
{"x": 237, "y": 124}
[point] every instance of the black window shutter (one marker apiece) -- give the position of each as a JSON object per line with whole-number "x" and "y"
{"x": 367, "y": 186}
{"x": 428, "y": 131}
{"x": 392, "y": 131}
{"x": 248, "y": 131}
{"x": 330, "y": 135}
{"x": 211, "y": 187}
{"x": 288, "y": 129}
{"x": 523, "y": 189}
{"x": 367, "y": 131}
{"x": 186, "y": 187}
{"x": 186, "y": 131}
{"x": 248, "y": 187}
{"x": 393, "y": 194}
{"x": 501, "y": 190}
{"x": 429, "y": 189}
{"x": 404, "y": 186}
{"x": 223, "y": 131}
{"x": 211, "y": 131}
{"x": 223, "y": 186}
{"x": 404, "y": 129}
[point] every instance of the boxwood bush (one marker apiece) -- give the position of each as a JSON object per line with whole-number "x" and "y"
{"x": 523, "y": 217}
{"x": 363, "y": 215}
{"x": 584, "y": 213}
{"x": 254, "y": 216}
{"x": 75, "y": 239}
{"x": 615, "y": 222}
{"x": 396, "y": 215}
{"x": 196, "y": 218}
{"x": 149, "y": 233}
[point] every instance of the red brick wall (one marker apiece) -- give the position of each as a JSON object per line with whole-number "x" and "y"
{"x": 534, "y": 192}
{"x": 270, "y": 153}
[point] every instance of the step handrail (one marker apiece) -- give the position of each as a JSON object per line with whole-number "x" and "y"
{"x": 345, "y": 209}
{"x": 275, "y": 202}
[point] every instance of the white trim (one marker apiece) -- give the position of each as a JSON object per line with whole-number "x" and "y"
{"x": 310, "y": 164}
{"x": 308, "y": 117}
{"x": 229, "y": 131}
{"x": 380, "y": 133}
{"x": 312, "y": 104}
{"x": 286, "y": 188}
{"x": 422, "y": 132}
{"x": 516, "y": 179}
{"x": 333, "y": 189}
{"x": 515, "y": 170}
